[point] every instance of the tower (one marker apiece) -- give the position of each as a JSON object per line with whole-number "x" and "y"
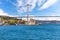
{"x": 28, "y": 11}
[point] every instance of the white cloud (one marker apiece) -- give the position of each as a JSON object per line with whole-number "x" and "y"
{"x": 48, "y": 4}
{"x": 21, "y": 3}
{"x": 39, "y": 2}
{"x": 3, "y": 13}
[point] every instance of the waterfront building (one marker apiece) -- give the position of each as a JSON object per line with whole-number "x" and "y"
{"x": 32, "y": 22}
{"x": 1, "y": 21}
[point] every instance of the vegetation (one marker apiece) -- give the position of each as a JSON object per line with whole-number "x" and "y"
{"x": 12, "y": 20}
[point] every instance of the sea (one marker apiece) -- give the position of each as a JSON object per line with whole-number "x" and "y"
{"x": 30, "y": 32}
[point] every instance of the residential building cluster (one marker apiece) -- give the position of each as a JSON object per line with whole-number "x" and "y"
{"x": 6, "y": 20}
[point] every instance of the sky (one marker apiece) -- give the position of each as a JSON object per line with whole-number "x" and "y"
{"x": 37, "y": 7}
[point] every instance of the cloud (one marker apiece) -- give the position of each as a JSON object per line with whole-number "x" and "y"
{"x": 19, "y": 2}
{"x": 48, "y": 4}
{"x": 2, "y": 13}
{"x": 22, "y": 3}
{"x": 42, "y": 4}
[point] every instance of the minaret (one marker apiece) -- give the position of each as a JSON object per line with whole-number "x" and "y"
{"x": 28, "y": 10}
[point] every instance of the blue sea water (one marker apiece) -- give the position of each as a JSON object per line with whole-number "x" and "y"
{"x": 30, "y": 32}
